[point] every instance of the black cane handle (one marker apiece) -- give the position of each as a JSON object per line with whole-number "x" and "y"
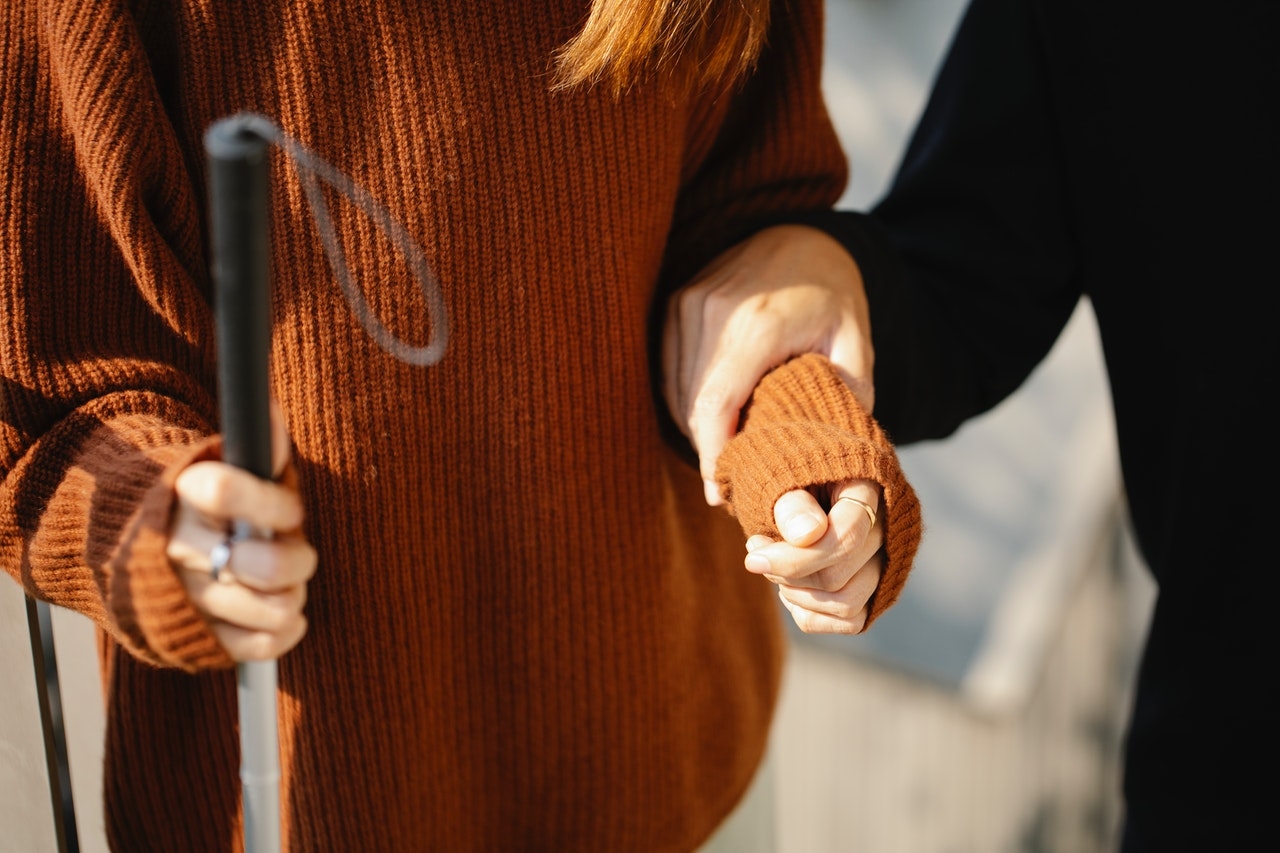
{"x": 237, "y": 160}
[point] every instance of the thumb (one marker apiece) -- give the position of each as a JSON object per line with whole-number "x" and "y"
{"x": 717, "y": 410}
{"x": 800, "y": 518}
{"x": 710, "y": 431}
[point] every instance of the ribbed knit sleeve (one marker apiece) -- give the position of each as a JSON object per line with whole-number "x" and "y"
{"x": 803, "y": 427}
{"x": 766, "y": 153}
{"x": 106, "y": 390}
{"x": 94, "y": 540}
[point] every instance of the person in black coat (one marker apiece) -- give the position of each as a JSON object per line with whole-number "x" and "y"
{"x": 1120, "y": 151}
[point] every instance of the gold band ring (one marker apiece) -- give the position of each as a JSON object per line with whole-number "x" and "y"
{"x": 871, "y": 513}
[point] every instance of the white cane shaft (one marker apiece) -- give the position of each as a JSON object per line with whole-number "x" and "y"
{"x": 259, "y": 756}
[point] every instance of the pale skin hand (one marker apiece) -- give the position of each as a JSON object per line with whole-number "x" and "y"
{"x": 785, "y": 291}
{"x": 825, "y": 577}
{"x": 255, "y": 606}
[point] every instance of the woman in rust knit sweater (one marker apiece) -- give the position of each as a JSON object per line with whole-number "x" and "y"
{"x": 524, "y": 627}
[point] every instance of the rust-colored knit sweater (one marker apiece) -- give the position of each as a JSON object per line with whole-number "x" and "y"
{"x": 527, "y": 631}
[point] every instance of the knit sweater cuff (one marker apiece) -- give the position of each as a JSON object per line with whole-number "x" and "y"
{"x": 803, "y": 428}
{"x": 164, "y": 619}
{"x": 127, "y": 468}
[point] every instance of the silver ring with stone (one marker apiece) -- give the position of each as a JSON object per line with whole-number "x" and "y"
{"x": 219, "y": 557}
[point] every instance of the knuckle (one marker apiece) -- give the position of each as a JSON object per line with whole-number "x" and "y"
{"x": 215, "y": 490}
{"x": 828, "y": 580}
{"x": 686, "y": 301}
{"x": 256, "y": 568}
{"x": 842, "y": 610}
{"x": 710, "y": 404}
{"x": 281, "y": 611}
{"x": 274, "y": 618}
{"x": 719, "y": 301}
{"x": 275, "y": 565}
{"x": 285, "y": 502}
{"x": 285, "y": 566}
{"x": 807, "y": 624}
{"x": 310, "y": 561}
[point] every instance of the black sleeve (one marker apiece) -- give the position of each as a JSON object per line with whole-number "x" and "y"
{"x": 968, "y": 259}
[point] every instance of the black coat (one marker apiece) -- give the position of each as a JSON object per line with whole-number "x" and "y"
{"x": 1125, "y": 152}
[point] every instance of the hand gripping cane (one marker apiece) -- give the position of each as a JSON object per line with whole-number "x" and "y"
{"x": 236, "y": 149}
{"x": 238, "y": 179}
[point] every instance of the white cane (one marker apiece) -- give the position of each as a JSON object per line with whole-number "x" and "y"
{"x": 236, "y": 150}
{"x": 238, "y": 182}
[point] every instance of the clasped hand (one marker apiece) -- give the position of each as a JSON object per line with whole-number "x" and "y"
{"x": 254, "y": 605}
{"x": 786, "y": 291}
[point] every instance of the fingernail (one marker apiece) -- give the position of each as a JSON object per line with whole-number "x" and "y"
{"x": 757, "y": 563}
{"x": 799, "y": 526}
{"x": 712, "y": 492}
